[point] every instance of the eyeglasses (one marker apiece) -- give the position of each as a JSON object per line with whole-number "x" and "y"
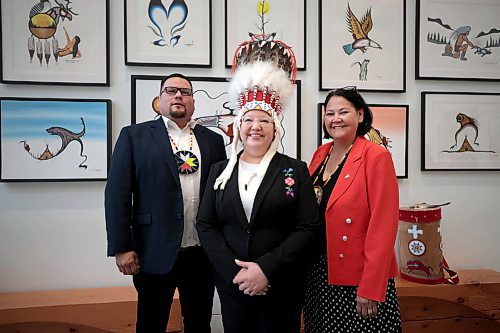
{"x": 262, "y": 122}
{"x": 173, "y": 90}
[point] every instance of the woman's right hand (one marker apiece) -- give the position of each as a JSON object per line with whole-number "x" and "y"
{"x": 366, "y": 308}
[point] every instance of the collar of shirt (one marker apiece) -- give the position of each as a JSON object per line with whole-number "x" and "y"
{"x": 172, "y": 126}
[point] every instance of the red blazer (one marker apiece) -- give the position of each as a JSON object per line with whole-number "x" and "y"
{"x": 362, "y": 219}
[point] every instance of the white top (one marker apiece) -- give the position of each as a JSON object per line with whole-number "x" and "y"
{"x": 248, "y": 184}
{"x": 190, "y": 184}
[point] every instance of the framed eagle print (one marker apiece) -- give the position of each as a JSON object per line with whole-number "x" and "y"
{"x": 362, "y": 43}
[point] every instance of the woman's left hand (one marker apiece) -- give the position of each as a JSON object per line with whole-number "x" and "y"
{"x": 365, "y": 307}
{"x": 251, "y": 280}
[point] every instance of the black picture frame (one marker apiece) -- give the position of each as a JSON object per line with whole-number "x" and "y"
{"x": 343, "y": 61}
{"x": 441, "y": 26}
{"x": 212, "y": 108}
{"x": 84, "y": 61}
{"x": 289, "y": 15}
{"x": 187, "y": 43}
{"x": 54, "y": 139}
{"x": 391, "y": 121}
{"x": 460, "y": 131}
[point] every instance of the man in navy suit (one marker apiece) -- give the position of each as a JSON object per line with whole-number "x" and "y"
{"x": 157, "y": 177}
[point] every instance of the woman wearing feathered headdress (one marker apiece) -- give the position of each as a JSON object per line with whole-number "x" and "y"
{"x": 258, "y": 213}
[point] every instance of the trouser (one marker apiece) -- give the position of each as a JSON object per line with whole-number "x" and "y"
{"x": 193, "y": 276}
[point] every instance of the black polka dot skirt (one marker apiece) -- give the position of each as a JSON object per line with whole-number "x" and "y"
{"x": 329, "y": 309}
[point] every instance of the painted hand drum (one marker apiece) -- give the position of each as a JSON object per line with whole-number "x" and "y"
{"x": 421, "y": 246}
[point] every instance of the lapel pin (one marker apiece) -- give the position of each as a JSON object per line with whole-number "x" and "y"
{"x": 347, "y": 176}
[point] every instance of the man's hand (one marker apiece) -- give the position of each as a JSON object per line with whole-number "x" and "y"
{"x": 366, "y": 308}
{"x": 251, "y": 280}
{"x": 127, "y": 263}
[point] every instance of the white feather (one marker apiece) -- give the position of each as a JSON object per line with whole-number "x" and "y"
{"x": 262, "y": 74}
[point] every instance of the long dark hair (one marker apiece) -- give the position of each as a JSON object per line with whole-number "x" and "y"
{"x": 74, "y": 51}
{"x": 352, "y": 95}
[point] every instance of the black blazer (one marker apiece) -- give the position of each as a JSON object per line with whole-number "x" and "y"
{"x": 281, "y": 226}
{"x": 143, "y": 196}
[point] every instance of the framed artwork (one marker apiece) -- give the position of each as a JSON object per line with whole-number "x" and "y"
{"x": 390, "y": 129}
{"x": 457, "y": 40}
{"x": 54, "y": 139}
{"x": 285, "y": 19}
{"x": 212, "y": 108}
{"x": 168, "y": 33}
{"x": 460, "y": 131}
{"x": 362, "y": 43}
{"x": 57, "y": 42}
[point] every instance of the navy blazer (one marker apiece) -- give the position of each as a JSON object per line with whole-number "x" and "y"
{"x": 283, "y": 222}
{"x": 143, "y": 196}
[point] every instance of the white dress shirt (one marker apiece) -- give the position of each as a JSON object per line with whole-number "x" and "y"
{"x": 190, "y": 184}
{"x": 248, "y": 184}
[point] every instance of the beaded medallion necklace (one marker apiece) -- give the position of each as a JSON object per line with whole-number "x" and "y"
{"x": 185, "y": 160}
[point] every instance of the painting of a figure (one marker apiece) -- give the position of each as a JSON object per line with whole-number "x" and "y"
{"x": 457, "y": 40}
{"x": 212, "y": 109}
{"x": 49, "y": 139}
{"x": 55, "y": 42}
{"x": 168, "y": 33}
{"x": 461, "y": 131}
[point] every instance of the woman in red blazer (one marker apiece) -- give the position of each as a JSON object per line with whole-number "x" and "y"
{"x": 350, "y": 283}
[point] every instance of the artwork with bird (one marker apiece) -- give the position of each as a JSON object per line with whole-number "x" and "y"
{"x": 44, "y": 19}
{"x": 359, "y": 31}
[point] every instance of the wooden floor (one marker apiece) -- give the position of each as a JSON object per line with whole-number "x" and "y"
{"x": 472, "y": 306}
{"x": 82, "y": 310}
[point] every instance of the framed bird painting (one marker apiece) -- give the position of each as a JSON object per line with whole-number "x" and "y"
{"x": 460, "y": 131}
{"x": 168, "y": 33}
{"x": 55, "y": 42}
{"x": 54, "y": 140}
{"x": 362, "y": 43}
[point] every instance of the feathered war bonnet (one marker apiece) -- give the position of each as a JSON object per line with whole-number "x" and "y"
{"x": 264, "y": 72}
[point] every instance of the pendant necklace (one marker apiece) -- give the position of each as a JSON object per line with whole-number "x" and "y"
{"x": 185, "y": 160}
{"x": 318, "y": 190}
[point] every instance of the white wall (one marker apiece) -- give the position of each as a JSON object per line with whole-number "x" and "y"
{"x": 52, "y": 235}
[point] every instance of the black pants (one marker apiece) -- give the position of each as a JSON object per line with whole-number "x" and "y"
{"x": 277, "y": 312}
{"x": 193, "y": 275}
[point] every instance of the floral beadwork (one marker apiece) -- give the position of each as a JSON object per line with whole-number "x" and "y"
{"x": 289, "y": 183}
